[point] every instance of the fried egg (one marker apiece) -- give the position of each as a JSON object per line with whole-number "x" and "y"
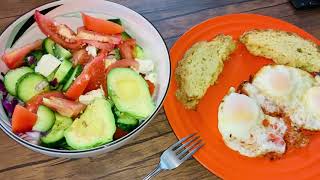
{"x": 241, "y": 124}
{"x": 283, "y": 85}
{"x": 287, "y": 91}
{"x": 307, "y": 114}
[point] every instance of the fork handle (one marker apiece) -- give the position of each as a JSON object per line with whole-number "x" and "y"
{"x": 155, "y": 172}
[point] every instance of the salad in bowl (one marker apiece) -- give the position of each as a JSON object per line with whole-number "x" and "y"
{"x": 77, "y": 89}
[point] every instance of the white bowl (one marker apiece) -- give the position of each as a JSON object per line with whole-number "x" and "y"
{"x": 24, "y": 30}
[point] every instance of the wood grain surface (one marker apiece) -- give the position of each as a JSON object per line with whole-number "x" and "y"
{"x": 134, "y": 160}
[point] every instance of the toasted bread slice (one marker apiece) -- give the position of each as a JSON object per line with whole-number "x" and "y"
{"x": 283, "y": 48}
{"x": 200, "y": 68}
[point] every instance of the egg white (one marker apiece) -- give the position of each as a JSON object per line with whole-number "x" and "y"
{"x": 240, "y": 122}
{"x": 300, "y": 101}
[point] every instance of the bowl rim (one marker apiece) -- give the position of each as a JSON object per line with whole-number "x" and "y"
{"x": 112, "y": 143}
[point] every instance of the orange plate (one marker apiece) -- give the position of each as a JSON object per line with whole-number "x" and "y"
{"x": 215, "y": 155}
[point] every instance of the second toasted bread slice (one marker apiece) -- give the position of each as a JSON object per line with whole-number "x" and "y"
{"x": 200, "y": 68}
{"x": 283, "y": 48}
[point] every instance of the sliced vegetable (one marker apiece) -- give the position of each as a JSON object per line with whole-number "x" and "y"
{"x": 33, "y": 104}
{"x": 47, "y": 65}
{"x": 22, "y": 120}
{"x": 99, "y": 45}
{"x": 45, "y": 119}
{"x": 119, "y": 133}
{"x": 61, "y": 53}
{"x": 59, "y": 33}
{"x": 124, "y": 63}
{"x": 138, "y": 52}
{"x": 57, "y": 132}
{"x": 30, "y": 85}
{"x": 84, "y": 34}
{"x": 80, "y": 57}
{"x": 12, "y": 77}
{"x": 129, "y": 92}
{"x": 78, "y": 86}
{"x": 94, "y": 127}
{"x": 9, "y": 103}
{"x": 151, "y": 87}
{"x": 117, "y": 54}
{"x": 101, "y": 25}
{"x": 96, "y": 69}
{"x": 75, "y": 73}
{"x": 125, "y": 36}
{"x": 15, "y": 58}
{"x": 48, "y": 45}
{"x": 64, "y": 106}
{"x": 127, "y": 123}
{"x": 127, "y": 48}
{"x": 117, "y": 21}
{"x": 32, "y": 137}
{"x": 63, "y": 70}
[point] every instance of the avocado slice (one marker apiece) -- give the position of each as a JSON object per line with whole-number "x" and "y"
{"x": 129, "y": 92}
{"x": 94, "y": 127}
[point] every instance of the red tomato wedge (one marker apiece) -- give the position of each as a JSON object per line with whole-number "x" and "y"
{"x": 22, "y": 120}
{"x": 33, "y": 104}
{"x": 99, "y": 45}
{"x": 64, "y": 106}
{"x": 124, "y": 63}
{"x": 15, "y": 58}
{"x": 101, "y": 25}
{"x": 59, "y": 33}
{"x": 84, "y": 34}
{"x": 78, "y": 86}
{"x": 119, "y": 133}
{"x": 80, "y": 57}
{"x": 126, "y": 49}
{"x": 151, "y": 87}
{"x": 96, "y": 69}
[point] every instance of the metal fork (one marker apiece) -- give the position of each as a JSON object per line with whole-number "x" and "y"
{"x": 177, "y": 154}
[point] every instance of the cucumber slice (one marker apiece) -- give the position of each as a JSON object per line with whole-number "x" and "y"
{"x": 12, "y": 77}
{"x": 117, "y": 21}
{"x": 31, "y": 84}
{"x": 37, "y": 54}
{"x": 127, "y": 123}
{"x": 75, "y": 73}
{"x": 57, "y": 131}
{"x": 48, "y": 45}
{"x": 125, "y": 36}
{"x": 45, "y": 119}
{"x": 61, "y": 53}
{"x": 117, "y": 54}
{"x": 63, "y": 71}
{"x": 138, "y": 52}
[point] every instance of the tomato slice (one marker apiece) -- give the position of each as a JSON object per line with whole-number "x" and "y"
{"x": 124, "y": 63}
{"x": 99, "y": 45}
{"x": 80, "y": 57}
{"x": 15, "y": 58}
{"x": 151, "y": 86}
{"x": 64, "y": 106}
{"x": 22, "y": 120}
{"x": 96, "y": 69}
{"x": 119, "y": 133}
{"x": 126, "y": 49}
{"x": 101, "y": 25}
{"x": 33, "y": 104}
{"x": 78, "y": 86}
{"x": 84, "y": 34}
{"x": 59, "y": 33}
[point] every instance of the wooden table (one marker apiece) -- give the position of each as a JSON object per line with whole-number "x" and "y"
{"x": 134, "y": 160}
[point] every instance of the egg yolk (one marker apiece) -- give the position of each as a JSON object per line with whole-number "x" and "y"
{"x": 313, "y": 99}
{"x": 280, "y": 83}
